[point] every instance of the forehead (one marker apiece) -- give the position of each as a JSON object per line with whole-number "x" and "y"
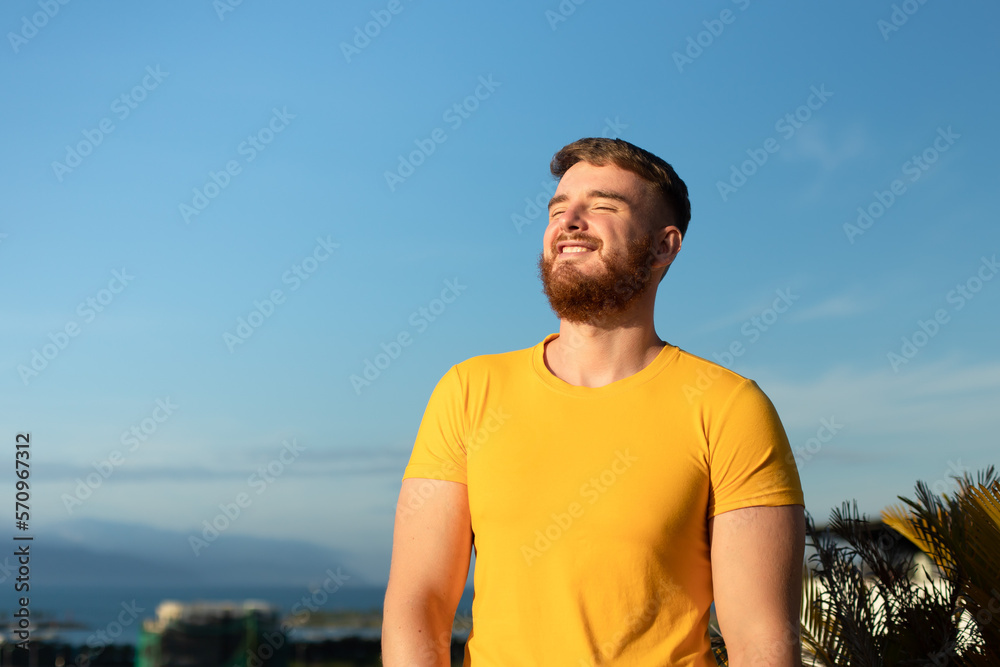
{"x": 583, "y": 177}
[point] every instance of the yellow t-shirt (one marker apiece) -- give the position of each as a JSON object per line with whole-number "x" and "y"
{"x": 590, "y": 505}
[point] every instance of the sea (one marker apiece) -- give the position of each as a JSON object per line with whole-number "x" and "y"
{"x": 107, "y": 608}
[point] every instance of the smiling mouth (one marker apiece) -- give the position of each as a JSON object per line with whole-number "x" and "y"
{"x": 574, "y": 247}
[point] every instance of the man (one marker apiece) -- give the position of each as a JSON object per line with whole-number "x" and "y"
{"x": 611, "y": 484}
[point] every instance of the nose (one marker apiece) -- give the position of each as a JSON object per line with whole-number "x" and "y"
{"x": 571, "y": 219}
{"x": 568, "y": 223}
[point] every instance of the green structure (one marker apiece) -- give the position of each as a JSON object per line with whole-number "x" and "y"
{"x": 213, "y": 634}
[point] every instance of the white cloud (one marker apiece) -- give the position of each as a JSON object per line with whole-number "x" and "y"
{"x": 762, "y": 300}
{"x": 941, "y": 404}
{"x": 813, "y": 144}
{"x": 928, "y": 422}
{"x": 834, "y": 307}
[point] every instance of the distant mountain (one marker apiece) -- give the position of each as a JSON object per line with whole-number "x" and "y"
{"x": 60, "y": 564}
{"x": 91, "y": 551}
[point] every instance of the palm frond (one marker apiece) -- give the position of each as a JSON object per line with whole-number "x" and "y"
{"x": 817, "y": 632}
{"x": 865, "y": 603}
{"x": 961, "y": 535}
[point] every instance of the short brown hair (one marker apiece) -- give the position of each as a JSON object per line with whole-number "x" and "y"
{"x": 599, "y": 151}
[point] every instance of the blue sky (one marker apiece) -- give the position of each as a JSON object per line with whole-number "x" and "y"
{"x": 181, "y": 165}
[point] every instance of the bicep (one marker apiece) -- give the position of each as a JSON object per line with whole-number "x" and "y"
{"x": 432, "y": 540}
{"x": 757, "y": 556}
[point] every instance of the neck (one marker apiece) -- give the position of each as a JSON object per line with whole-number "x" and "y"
{"x": 591, "y": 355}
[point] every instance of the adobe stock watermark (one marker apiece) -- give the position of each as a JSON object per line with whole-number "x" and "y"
{"x": 426, "y": 489}
{"x": 948, "y": 482}
{"x": 643, "y": 618}
{"x": 899, "y": 16}
{"x": 319, "y": 596}
{"x": 381, "y": 18}
{"x": 435, "y": 651}
{"x": 301, "y": 611}
{"x": 591, "y": 491}
{"x": 914, "y": 168}
{"x": 786, "y": 126}
{"x": 7, "y": 569}
{"x": 259, "y": 481}
{"x": 37, "y": 21}
{"x": 828, "y": 428}
{"x": 751, "y": 330}
{"x": 249, "y": 149}
{"x": 492, "y": 422}
{"x": 538, "y": 205}
{"x": 87, "y": 310}
{"x": 132, "y": 437}
{"x": 454, "y": 116}
{"x": 951, "y": 648}
{"x": 704, "y": 39}
{"x": 223, "y": 7}
{"x": 419, "y": 321}
{"x": 927, "y": 329}
{"x": 264, "y": 309}
{"x": 102, "y": 639}
{"x": 562, "y": 12}
{"x": 122, "y": 107}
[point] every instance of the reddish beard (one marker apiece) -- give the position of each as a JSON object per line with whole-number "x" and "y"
{"x": 577, "y": 296}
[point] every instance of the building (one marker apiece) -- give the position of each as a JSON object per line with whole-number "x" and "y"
{"x": 213, "y": 634}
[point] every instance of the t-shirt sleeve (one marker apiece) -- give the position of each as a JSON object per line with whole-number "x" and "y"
{"x": 439, "y": 450}
{"x": 750, "y": 459}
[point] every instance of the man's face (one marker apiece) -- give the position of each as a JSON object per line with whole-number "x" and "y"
{"x": 599, "y": 243}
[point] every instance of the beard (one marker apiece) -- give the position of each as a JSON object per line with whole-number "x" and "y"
{"x": 577, "y": 296}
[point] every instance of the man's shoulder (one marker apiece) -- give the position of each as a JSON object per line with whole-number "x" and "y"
{"x": 496, "y": 361}
{"x": 694, "y": 362}
{"x": 701, "y": 377}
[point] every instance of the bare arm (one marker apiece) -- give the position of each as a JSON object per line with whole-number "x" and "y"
{"x": 757, "y": 557}
{"x": 431, "y": 547}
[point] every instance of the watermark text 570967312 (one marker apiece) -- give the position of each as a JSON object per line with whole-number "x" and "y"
{"x": 21, "y": 627}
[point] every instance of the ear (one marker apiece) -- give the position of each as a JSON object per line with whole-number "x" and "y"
{"x": 666, "y": 245}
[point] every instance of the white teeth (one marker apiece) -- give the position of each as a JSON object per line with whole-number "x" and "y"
{"x": 575, "y": 248}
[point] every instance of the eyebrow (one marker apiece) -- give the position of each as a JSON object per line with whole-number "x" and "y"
{"x": 593, "y": 194}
